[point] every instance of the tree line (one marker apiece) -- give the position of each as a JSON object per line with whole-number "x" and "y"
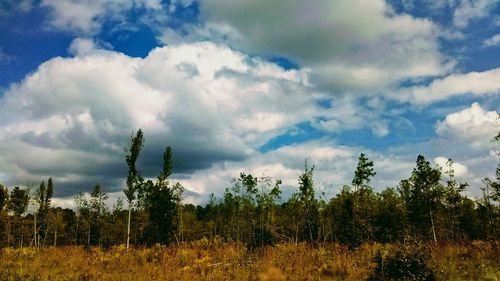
{"x": 429, "y": 206}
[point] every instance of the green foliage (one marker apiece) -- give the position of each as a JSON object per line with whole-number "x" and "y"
{"x": 4, "y": 197}
{"x": 364, "y": 172}
{"x": 405, "y": 263}
{"x": 43, "y": 197}
{"x": 309, "y": 215}
{"x": 423, "y": 193}
{"x": 19, "y": 199}
{"x": 134, "y": 178}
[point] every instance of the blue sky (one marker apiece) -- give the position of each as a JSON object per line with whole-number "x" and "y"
{"x": 253, "y": 86}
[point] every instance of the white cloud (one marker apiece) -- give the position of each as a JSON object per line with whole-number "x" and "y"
{"x": 82, "y": 46}
{"x": 475, "y": 83}
{"x": 87, "y": 16}
{"x": 359, "y": 46}
{"x": 474, "y": 126}
{"x": 492, "y": 41}
{"x": 469, "y": 10}
{"x": 459, "y": 170}
{"x": 207, "y": 101}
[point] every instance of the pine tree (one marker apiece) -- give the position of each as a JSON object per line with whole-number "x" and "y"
{"x": 364, "y": 172}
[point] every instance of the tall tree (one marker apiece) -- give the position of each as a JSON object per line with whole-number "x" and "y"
{"x": 83, "y": 218}
{"x": 162, "y": 202}
{"x": 308, "y": 201}
{"x": 364, "y": 172}
{"x": 4, "y": 219}
{"x": 43, "y": 197}
{"x": 134, "y": 178}
{"x": 19, "y": 200}
{"x": 453, "y": 199}
{"x": 422, "y": 193}
{"x": 363, "y": 198}
{"x": 98, "y": 208}
{"x": 18, "y": 203}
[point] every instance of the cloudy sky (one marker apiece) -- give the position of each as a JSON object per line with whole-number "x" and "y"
{"x": 249, "y": 85}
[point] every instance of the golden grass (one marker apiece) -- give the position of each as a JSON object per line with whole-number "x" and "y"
{"x": 204, "y": 260}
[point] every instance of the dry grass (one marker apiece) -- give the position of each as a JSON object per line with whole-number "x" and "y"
{"x": 204, "y": 260}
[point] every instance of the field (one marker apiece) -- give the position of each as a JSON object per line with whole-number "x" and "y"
{"x": 204, "y": 260}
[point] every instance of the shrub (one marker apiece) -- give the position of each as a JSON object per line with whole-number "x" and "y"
{"x": 405, "y": 263}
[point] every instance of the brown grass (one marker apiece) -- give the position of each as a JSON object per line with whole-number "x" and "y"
{"x": 204, "y": 260}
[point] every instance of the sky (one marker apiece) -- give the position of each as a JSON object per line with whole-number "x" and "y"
{"x": 250, "y": 86}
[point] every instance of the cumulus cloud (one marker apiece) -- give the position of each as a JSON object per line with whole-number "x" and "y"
{"x": 359, "y": 46}
{"x": 474, "y": 83}
{"x": 76, "y": 114}
{"x": 473, "y": 125}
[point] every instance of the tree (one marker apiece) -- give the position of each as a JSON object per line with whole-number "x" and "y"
{"x": 134, "y": 178}
{"x": 82, "y": 217}
{"x": 308, "y": 201}
{"x": 162, "y": 202}
{"x": 19, "y": 200}
{"x": 422, "y": 193}
{"x": 43, "y": 197}
{"x": 97, "y": 205}
{"x": 363, "y": 198}
{"x": 364, "y": 172}
{"x": 390, "y": 217}
{"x": 453, "y": 199}
{"x": 18, "y": 203}
{"x": 4, "y": 199}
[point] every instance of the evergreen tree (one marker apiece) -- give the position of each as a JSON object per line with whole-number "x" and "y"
{"x": 364, "y": 172}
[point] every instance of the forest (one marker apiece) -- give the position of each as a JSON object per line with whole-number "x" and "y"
{"x": 428, "y": 209}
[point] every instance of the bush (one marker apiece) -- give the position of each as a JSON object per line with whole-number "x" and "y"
{"x": 405, "y": 263}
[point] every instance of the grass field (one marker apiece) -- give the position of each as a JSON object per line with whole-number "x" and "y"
{"x": 203, "y": 260}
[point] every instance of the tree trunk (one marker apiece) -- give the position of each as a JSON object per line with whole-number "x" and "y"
{"x": 77, "y": 224}
{"x": 88, "y": 236}
{"x": 8, "y": 230}
{"x": 128, "y": 223}
{"x": 55, "y": 237}
{"x": 432, "y": 225}
{"x": 35, "y": 230}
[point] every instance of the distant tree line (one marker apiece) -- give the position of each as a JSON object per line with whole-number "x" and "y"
{"x": 429, "y": 206}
